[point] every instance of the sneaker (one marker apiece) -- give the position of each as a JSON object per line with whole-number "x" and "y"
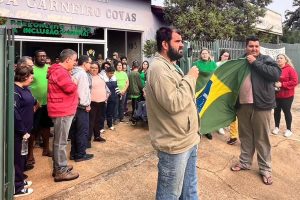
{"x": 209, "y": 136}
{"x": 112, "y": 128}
{"x": 221, "y": 131}
{"x": 288, "y": 133}
{"x": 102, "y": 131}
{"x": 85, "y": 157}
{"x": 116, "y": 122}
{"x": 232, "y": 141}
{"x": 65, "y": 176}
{"x": 27, "y": 184}
{"x": 24, "y": 192}
{"x": 122, "y": 120}
{"x": 99, "y": 139}
{"x": 275, "y": 131}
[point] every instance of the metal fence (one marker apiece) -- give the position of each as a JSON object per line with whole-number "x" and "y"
{"x": 237, "y": 49}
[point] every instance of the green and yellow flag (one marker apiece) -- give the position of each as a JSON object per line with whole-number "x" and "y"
{"x": 216, "y": 98}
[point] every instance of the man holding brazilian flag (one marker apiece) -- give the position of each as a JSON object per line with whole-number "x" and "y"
{"x": 217, "y": 92}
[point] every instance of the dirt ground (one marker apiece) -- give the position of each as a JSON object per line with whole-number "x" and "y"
{"x": 125, "y": 168}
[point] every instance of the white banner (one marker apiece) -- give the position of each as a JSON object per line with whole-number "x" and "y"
{"x": 272, "y": 52}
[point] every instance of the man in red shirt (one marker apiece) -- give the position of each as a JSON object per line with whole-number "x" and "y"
{"x": 62, "y": 105}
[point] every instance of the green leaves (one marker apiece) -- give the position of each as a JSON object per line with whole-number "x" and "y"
{"x": 149, "y": 48}
{"x": 292, "y": 21}
{"x": 214, "y": 19}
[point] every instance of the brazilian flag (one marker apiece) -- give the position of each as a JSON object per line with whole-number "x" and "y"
{"x": 216, "y": 98}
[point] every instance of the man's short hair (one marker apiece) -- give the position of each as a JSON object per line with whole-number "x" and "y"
{"x": 164, "y": 34}
{"x": 135, "y": 64}
{"x": 251, "y": 38}
{"x": 105, "y": 63}
{"x": 23, "y": 61}
{"x": 123, "y": 57}
{"x": 110, "y": 69}
{"x": 82, "y": 59}
{"x": 66, "y": 53}
{"x": 38, "y": 51}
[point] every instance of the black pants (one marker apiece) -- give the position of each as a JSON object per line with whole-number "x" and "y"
{"x": 110, "y": 109}
{"x": 97, "y": 117}
{"x": 19, "y": 163}
{"x": 134, "y": 102}
{"x": 284, "y": 105}
{"x": 79, "y": 133}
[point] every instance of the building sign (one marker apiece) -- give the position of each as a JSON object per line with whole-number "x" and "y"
{"x": 48, "y": 29}
{"x": 104, "y": 13}
{"x": 271, "y": 23}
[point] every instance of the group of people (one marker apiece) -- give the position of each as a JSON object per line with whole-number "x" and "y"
{"x": 75, "y": 96}
{"x": 173, "y": 118}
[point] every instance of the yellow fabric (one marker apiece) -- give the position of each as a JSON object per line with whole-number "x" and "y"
{"x": 234, "y": 129}
{"x": 215, "y": 92}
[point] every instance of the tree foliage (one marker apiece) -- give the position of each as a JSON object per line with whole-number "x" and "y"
{"x": 291, "y": 36}
{"x": 149, "y": 48}
{"x": 292, "y": 21}
{"x": 3, "y": 20}
{"x": 214, "y": 19}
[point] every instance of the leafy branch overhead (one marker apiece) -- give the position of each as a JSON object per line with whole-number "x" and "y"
{"x": 209, "y": 20}
{"x": 292, "y": 21}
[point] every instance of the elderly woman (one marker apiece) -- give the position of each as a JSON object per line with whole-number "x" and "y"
{"x": 285, "y": 96}
{"x": 23, "y": 114}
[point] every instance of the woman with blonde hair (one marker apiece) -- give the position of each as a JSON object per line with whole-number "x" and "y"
{"x": 285, "y": 96}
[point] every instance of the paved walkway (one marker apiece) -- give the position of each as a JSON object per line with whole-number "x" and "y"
{"x": 125, "y": 168}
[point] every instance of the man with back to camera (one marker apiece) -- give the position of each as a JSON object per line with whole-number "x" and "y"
{"x": 62, "y": 105}
{"x": 256, "y": 100}
{"x": 173, "y": 118}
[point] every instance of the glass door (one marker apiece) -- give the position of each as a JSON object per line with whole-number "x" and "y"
{"x": 52, "y": 49}
{"x": 92, "y": 50}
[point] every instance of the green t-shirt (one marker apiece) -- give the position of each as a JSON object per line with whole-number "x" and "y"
{"x": 39, "y": 86}
{"x": 143, "y": 78}
{"x": 206, "y": 69}
{"x": 122, "y": 78}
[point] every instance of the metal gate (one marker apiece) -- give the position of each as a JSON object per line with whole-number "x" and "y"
{"x": 7, "y": 56}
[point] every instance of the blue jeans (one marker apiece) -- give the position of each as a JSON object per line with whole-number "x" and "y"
{"x": 119, "y": 108}
{"x": 177, "y": 175}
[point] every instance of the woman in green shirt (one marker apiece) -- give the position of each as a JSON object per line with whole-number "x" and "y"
{"x": 206, "y": 68}
{"x": 143, "y": 72}
{"x": 123, "y": 83}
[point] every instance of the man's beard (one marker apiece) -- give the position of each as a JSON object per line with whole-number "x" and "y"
{"x": 173, "y": 54}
